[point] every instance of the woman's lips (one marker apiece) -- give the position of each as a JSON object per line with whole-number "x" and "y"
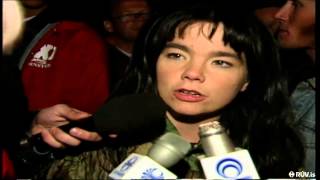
{"x": 189, "y": 95}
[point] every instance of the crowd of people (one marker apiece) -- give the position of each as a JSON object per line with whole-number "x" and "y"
{"x": 250, "y": 67}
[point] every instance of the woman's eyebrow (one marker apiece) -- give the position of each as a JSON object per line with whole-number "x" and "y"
{"x": 176, "y": 45}
{"x": 213, "y": 53}
{"x": 225, "y": 54}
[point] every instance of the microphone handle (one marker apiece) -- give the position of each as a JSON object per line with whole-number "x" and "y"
{"x": 34, "y": 154}
{"x": 42, "y": 148}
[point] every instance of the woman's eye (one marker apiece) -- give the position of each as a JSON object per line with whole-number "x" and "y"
{"x": 174, "y": 56}
{"x": 222, "y": 63}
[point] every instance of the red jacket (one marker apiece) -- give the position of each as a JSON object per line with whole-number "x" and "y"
{"x": 7, "y": 171}
{"x": 66, "y": 65}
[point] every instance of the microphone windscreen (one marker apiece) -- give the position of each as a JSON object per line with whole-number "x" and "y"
{"x": 169, "y": 149}
{"x": 135, "y": 118}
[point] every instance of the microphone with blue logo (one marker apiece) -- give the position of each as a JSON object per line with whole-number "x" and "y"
{"x": 168, "y": 150}
{"x": 223, "y": 160}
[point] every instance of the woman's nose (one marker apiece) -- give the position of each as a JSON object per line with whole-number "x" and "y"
{"x": 193, "y": 72}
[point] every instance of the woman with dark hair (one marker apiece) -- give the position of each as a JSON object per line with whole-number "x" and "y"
{"x": 208, "y": 65}
{"x": 258, "y": 114}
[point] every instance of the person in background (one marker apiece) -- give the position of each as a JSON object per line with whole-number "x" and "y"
{"x": 296, "y": 69}
{"x": 53, "y": 54}
{"x": 17, "y": 121}
{"x": 122, "y": 24}
{"x": 11, "y": 89}
{"x": 36, "y": 15}
{"x": 207, "y": 67}
{"x": 66, "y": 64}
{"x": 297, "y": 25}
{"x": 265, "y": 11}
{"x": 295, "y": 32}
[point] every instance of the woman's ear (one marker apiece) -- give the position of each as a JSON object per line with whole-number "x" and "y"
{"x": 108, "y": 26}
{"x": 244, "y": 86}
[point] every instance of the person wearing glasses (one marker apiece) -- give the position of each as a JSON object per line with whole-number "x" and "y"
{"x": 122, "y": 24}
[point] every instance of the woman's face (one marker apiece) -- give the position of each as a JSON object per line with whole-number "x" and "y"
{"x": 197, "y": 75}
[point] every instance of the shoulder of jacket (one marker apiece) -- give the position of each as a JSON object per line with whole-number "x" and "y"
{"x": 65, "y": 25}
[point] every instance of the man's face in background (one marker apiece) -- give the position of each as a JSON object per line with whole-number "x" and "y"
{"x": 129, "y": 17}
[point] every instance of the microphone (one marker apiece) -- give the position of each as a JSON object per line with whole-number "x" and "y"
{"x": 223, "y": 160}
{"x": 166, "y": 152}
{"x": 131, "y": 117}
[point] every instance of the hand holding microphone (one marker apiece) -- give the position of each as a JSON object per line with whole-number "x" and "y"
{"x": 166, "y": 152}
{"x": 130, "y": 117}
{"x": 223, "y": 160}
{"x": 48, "y": 120}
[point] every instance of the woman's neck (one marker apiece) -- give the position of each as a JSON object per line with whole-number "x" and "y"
{"x": 189, "y": 131}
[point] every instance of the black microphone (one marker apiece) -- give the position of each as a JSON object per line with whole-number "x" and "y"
{"x": 135, "y": 119}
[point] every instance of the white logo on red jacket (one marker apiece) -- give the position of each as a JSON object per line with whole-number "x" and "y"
{"x": 43, "y": 57}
